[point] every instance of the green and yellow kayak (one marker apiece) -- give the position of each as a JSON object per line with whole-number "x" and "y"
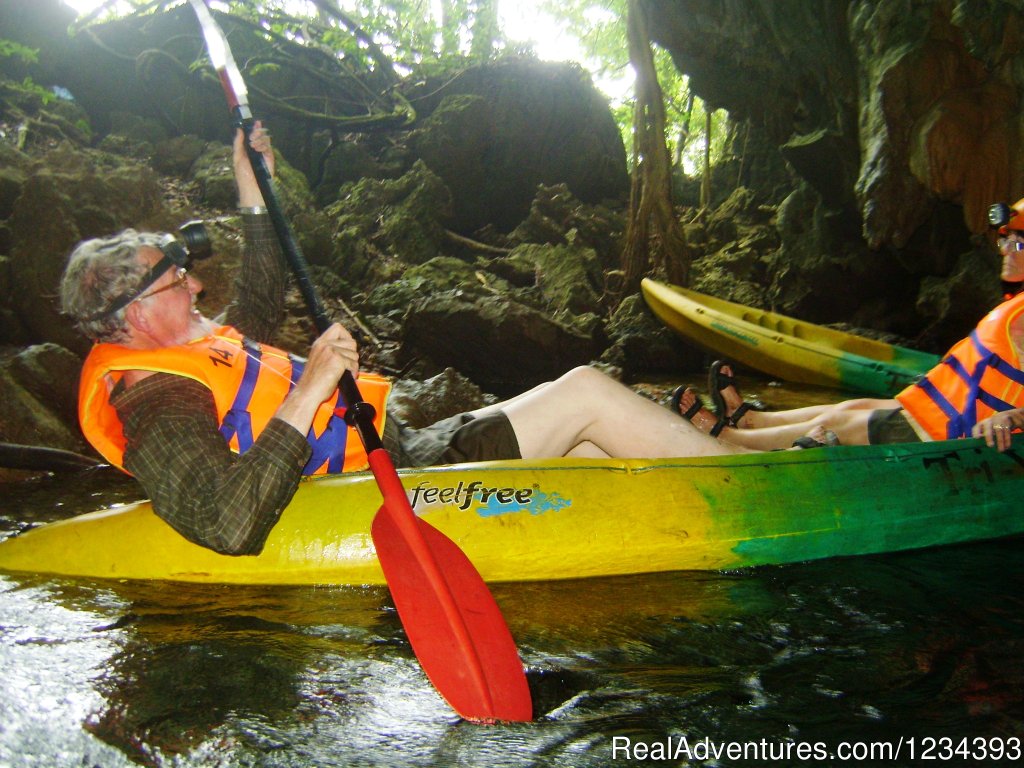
{"x": 562, "y": 519}
{"x": 782, "y": 346}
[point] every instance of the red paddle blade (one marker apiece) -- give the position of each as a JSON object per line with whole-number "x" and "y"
{"x": 453, "y": 623}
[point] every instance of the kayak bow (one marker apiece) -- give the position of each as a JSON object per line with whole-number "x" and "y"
{"x": 791, "y": 349}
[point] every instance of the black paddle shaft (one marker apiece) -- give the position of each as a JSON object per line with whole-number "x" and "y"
{"x": 359, "y": 413}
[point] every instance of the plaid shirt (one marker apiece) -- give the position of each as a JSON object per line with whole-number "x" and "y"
{"x": 208, "y": 494}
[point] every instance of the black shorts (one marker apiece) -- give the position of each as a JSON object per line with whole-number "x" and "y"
{"x": 454, "y": 440}
{"x": 890, "y": 426}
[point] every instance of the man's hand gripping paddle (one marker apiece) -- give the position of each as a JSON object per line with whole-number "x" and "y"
{"x": 453, "y": 623}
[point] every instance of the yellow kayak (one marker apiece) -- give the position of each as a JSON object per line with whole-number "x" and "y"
{"x": 562, "y": 519}
{"x": 785, "y": 347}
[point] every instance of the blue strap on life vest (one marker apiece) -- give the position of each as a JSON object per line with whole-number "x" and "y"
{"x": 960, "y": 423}
{"x": 1013, "y": 374}
{"x": 238, "y": 421}
{"x": 954, "y": 421}
{"x": 329, "y": 445}
{"x": 1005, "y": 369}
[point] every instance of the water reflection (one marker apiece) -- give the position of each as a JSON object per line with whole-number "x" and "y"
{"x": 49, "y": 654}
{"x": 195, "y": 675}
{"x": 55, "y": 497}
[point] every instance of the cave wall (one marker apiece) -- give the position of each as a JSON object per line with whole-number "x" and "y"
{"x": 921, "y": 99}
{"x": 904, "y": 116}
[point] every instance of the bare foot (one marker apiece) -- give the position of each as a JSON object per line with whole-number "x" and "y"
{"x": 701, "y": 418}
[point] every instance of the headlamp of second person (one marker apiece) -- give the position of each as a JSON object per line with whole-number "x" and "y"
{"x": 1007, "y": 218}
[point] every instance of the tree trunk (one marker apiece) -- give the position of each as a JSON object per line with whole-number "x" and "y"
{"x": 684, "y": 130}
{"x": 650, "y": 201}
{"x": 743, "y": 156}
{"x": 705, "y": 184}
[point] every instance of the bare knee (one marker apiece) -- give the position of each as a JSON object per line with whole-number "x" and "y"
{"x": 588, "y": 389}
{"x": 849, "y": 424}
{"x": 858, "y": 404}
{"x": 584, "y": 376}
{"x": 827, "y": 420}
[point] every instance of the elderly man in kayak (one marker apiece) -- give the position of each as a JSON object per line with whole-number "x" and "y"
{"x": 976, "y": 391}
{"x": 218, "y": 426}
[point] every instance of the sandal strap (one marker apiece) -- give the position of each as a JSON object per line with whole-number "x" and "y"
{"x": 724, "y": 380}
{"x": 676, "y": 402}
{"x": 716, "y": 383}
{"x": 806, "y": 442}
{"x": 693, "y": 410}
{"x": 734, "y": 419}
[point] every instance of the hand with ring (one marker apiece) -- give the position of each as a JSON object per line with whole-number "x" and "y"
{"x": 997, "y": 430}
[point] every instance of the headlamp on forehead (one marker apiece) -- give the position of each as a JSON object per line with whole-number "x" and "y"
{"x": 999, "y": 215}
{"x": 1005, "y": 217}
{"x": 193, "y": 245}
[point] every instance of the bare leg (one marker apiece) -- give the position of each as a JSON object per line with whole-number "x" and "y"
{"x": 585, "y": 411}
{"x": 768, "y": 430}
{"x": 849, "y": 424}
{"x": 587, "y": 450}
{"x": 766, "y": 419}
{"x": 796, "y": 416}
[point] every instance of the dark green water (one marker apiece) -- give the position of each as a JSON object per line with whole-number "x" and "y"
{"x": 867, "y": 651}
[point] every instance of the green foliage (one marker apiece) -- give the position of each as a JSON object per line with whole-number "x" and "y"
{"x": 255, "y": 69}
{"x": 600, "y": 26}
{"x": 408, "y": 31}
{"x": 27, "y": 89}
{"x": 11, "y": 49}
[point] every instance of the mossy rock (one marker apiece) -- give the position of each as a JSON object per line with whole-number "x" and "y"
{"x": 640, "y": 343}
{"x": 566, "y": 275}
{"x": 498, "y": 342}
{"x": 439, "y": 275}
{"x": 213, "y": 172}
{"x": 177, "y": 155}
{"x": 399, "y": 219}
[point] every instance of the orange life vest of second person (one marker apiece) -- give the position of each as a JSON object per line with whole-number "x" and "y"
{"x": 248, "y": 382}
{"x": 978, "y": 377}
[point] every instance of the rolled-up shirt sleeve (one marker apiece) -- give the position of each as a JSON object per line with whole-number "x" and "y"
{"x": 258, "y": 308}
{"x": 210, "y": 495}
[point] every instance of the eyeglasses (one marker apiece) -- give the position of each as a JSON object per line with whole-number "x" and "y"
{"x": 180, "y": 281}
{"x": 154, "y": 274}
{"x": 1010, "y": 244}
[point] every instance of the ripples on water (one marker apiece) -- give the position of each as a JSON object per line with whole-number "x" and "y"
{"x": 864, "y": 649}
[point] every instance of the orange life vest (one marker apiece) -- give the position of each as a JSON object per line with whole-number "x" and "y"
{"x": 979, "y": 376}
{"x": 248, "y": 382}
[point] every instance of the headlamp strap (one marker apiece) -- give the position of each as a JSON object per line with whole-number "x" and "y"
{"x": 148, "y": 279}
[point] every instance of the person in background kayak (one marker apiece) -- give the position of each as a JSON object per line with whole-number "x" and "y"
{"x": 219, "y": 427}
{"x": 1010, "y": 223}
{"x": 976, "y": 391}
